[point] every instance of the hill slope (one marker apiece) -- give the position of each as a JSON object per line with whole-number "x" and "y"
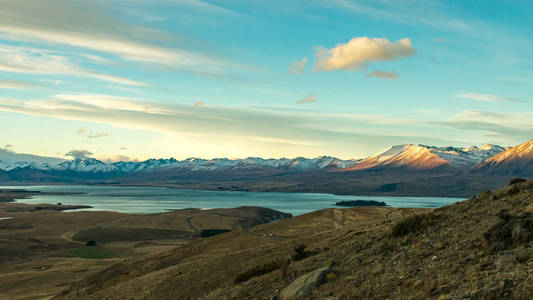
{"x": 480, "y": 248}
{"x": 517, "y": 161}
{"x": 422, "y": 157}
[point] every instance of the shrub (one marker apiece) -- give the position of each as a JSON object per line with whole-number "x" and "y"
{"x": 258, "y": 271}
{"x": 516, "y": 180}
{"x": 212, "y": 232}
{"x": 299, "y": 252}
{"x": 413, "y": 224}
{"x": 510, "y": 233}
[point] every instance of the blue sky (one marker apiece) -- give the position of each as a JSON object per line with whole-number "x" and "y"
{"x": 136, "y": 79}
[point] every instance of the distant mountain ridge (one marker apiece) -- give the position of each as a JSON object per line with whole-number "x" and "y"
{"x": 405, "y": 170}
{"x": 409, "y": 156}
{"x": 92, "y": 165}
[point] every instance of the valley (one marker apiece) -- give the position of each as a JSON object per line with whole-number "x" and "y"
{"x": 43, "y": 252}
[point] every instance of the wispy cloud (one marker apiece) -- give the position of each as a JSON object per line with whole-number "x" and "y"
{"x": 297, "y": 67}
{"x": 95, "y": 29}
{"x": 199, "y": 103}
{"x": 78, "y": 154}
{"x": 17, "y": 85}
{"x": 486, "y": 97}
{"x": 227, "y": 125}
{"x": 97, "y": 135}
{"x": 308, "y": 99}
{"x": 359, "y": 52}
{"x": 408, "y": 12}
{"x": 115, "y": 158}
{"x": 39, "y": 61}
{"x": 383, "y": 74}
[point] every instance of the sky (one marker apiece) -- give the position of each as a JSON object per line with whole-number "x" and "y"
{"x": 139, "y": 79}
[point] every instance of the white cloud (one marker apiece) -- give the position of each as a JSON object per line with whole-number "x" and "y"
{"x": 95, "y": 29}
{"x": 39, "y": 61}
{"x": 383, "y": 74}
{"x": 97, "y": 135}
{"x": 271, "y": 130}
{"x": 16, "y": 84}
{"x": 79, "y": 153}
{"x": 485, "y": 97}
{"x": 107, "y": 102}
{"x": 199, "y": 103}
{"x": 115, "y": 158}
{"x": 297, "y": 67}
{"x": 359, "y": 52}
{"x": 308, "y": 99}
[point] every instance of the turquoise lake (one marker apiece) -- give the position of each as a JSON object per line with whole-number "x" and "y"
{"x": 160, "y": 199}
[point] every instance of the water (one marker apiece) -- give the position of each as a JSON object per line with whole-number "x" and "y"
{"x": 159, "y": 199}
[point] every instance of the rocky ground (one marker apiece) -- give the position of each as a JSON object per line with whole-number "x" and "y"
{"x": 476, "y": 249}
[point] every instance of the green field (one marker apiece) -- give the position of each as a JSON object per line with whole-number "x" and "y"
{"x": 93, "y": 252}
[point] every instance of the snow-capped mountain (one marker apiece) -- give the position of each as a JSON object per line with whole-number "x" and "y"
{"x": 91, "y": 165}
{"x": 88, "y": 165}
{"x": 517, "y": 160}
{"x": 420, "y": 157}
{"x": 424, "y": 157}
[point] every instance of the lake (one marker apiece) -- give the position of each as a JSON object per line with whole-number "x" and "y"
{"x": 159, "y": 199}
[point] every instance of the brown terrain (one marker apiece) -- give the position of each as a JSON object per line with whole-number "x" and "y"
{"x": 480, "y": 248}
{"x": 40, "y": 246}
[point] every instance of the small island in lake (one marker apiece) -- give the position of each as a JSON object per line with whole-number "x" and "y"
{"x": 356, "y": 203}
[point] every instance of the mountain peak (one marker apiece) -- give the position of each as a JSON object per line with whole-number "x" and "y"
{"x": 424, "y": 157}
{"x": 517, "y": 160}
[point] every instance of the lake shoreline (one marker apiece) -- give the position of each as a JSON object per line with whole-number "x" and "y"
{"x": 146, "y": 200}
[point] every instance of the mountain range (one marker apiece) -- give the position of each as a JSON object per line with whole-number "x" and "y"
{"x": 391, "y": 167}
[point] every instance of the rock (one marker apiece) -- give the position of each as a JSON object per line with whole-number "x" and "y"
{"x": 304, "y": 284}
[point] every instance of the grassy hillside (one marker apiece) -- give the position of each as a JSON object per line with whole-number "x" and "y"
{"x": 477, "y": 249}
{"x": 43, "y": 251}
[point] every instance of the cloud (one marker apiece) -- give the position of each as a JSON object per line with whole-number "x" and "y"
{"x": 8, "y": 146}
{"x": 78, "y": 154}
{"x": 80, "y": 131}
{"x": 40, "y": 61}
{"x": 486, "y": 97}
{"x": 90, "y": 101}
{"x": 53, "y": 81}
{"x": 499, "y": 126}
{"x": 360, "y": 52}
{"x": 383, "y": 74}
{"x": 115, "y": 158}
{"x": 215, "y": 129}
{"x": 17, "y": 85}
{"x": 199, "y": 103}
{"x": 97, "y": 28}
{"x": 308, "y": 99}
{"x": 408, "y": 12}
{"x": 98, "y": 135}
{"x": 297, "y": 67}
{"x": 439, "y": 40}
{"x": 123, "y": 148}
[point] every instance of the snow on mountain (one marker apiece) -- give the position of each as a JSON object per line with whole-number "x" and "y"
{"x": 517, "y": 160}
{"x": 91, "y": 165}
{"x": 85, "y": 165}
{"x": 427, "y": 157}
{"x": 411, "y": 156}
